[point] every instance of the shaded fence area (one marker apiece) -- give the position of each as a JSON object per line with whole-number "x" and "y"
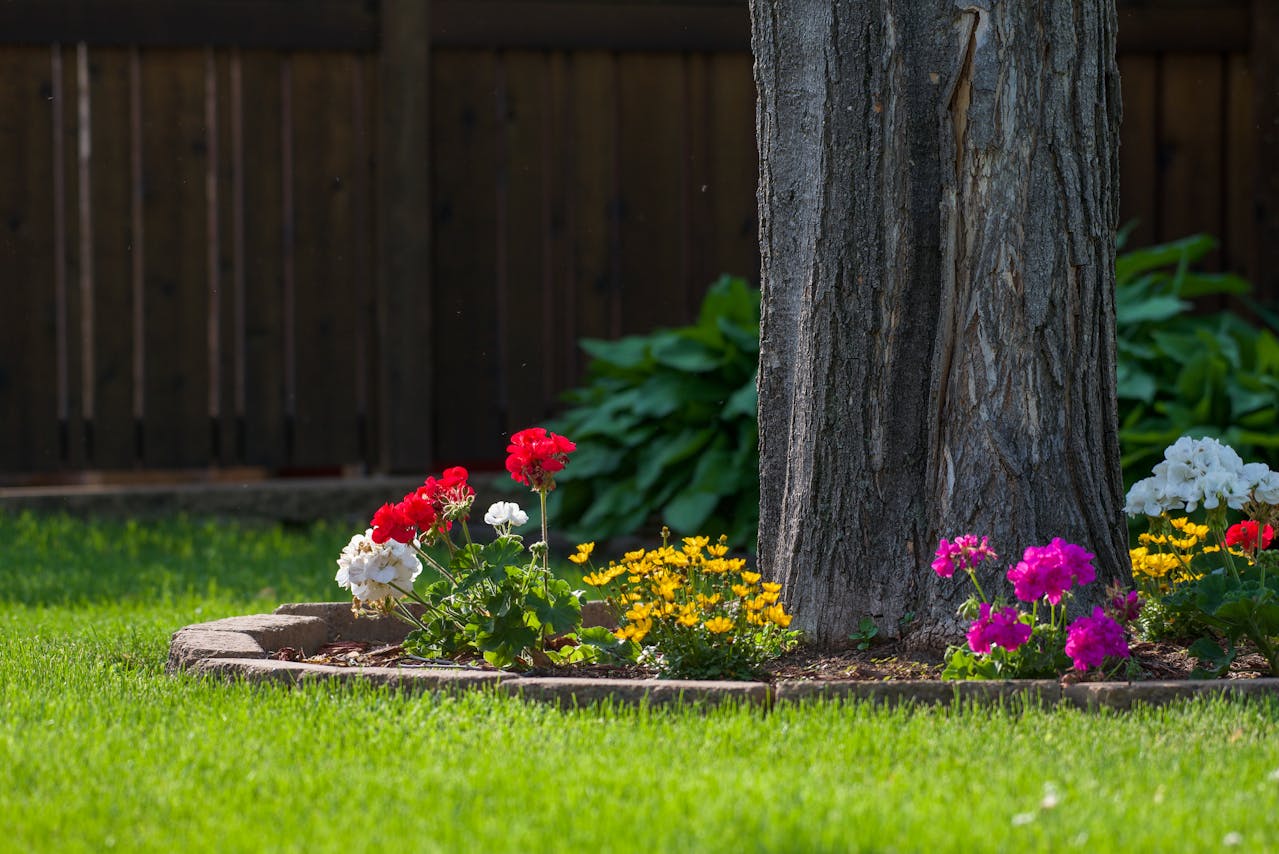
{"x": 343, "y": 235}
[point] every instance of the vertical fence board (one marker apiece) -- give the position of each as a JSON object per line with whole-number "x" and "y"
{"x": 530, "y": 326}
{"x": 263, "y": 417}
{"x": 464, "y": 340}
{"x": 592, "y": 202}
{"x": 699, "y": 212}
{"x": 1192, "y": 134}
{"x": 1238, "y": 236}
{"x": 69, "y": 222}
{"x": 176, "y": 422}
{"x": 113, "y": 446}
{"x": 651, "y": 154}
{"x": 559, "y": 148}
{"x": 1138, "y": 149}
{"x": 326, "y": 312}
{"x": 734, "y": 167}
{"x": 28, "y": 389}
{"x": 1265, "y": 196}
{"x": 406, "y": 318}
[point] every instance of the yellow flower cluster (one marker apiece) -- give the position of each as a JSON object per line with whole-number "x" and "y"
{"x": 695, "y": 587}
{"x": 1167, "y": 557}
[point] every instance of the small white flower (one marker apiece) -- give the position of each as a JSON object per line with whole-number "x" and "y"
{"x": 1267, "y": 488}
{"x": 1232, "y": 838}
{"x": 505, "y": 514}
{"x": 372, "y": 572}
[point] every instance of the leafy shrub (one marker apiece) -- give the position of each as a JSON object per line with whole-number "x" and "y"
{"x": 693, "y": 612}
{"x": 1182, "y": 371}
{"x": 666, "y": 424}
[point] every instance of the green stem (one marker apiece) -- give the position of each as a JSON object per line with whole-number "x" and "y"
{"x": 973, "y": 576}
{"x": 546, "y": 551}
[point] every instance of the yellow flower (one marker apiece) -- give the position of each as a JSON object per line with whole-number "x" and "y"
{"x": 708, "y": 601}
{"x": 771, "y": 587}
{"x": 718, "y": 566}
{"x": 776, "y": 615}
{"x": 741, "y": 590}
{"x": 1152, "y": 564}
{"x": 750, "y": 577}
{"x": 596, "y": 579}
{"x": 770, "y": 597}
{"x": 757, "y": 603}
{"x": 688, "y": 615}
{"x": 583, "y": 553}
{"x": 718, "y": 625}
{"x": 1189, "y": 528}
{"x": 635, "y": 631}
{"x": 632, "y": 557}
{"x": 717, "y": 550}
{"x": 639, "y": 611}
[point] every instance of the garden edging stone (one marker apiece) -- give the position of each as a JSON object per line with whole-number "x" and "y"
{"x": 239, "y": 648}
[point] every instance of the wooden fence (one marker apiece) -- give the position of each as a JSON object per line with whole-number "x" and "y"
{"x": 302, "y": 237}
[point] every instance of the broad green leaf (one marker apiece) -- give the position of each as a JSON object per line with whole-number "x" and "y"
{"x": 561, "y": 615}
{"x": 627, "y": 353}
{"x": 684, "y": 353}
{"x": 1190, "y": 249}
{"x": 745, "y": 401}
{"x": 674, "y": 450}
{"x": 688, "y": 511}
{"x": 1150, "y": 310}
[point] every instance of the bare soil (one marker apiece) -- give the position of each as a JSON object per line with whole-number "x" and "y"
{"x": 881, "y": 662}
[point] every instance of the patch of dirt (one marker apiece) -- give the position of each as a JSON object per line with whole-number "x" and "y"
{"x": 881, "y": 662}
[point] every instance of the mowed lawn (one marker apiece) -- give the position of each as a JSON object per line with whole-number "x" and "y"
{"x": 100, "y": 750}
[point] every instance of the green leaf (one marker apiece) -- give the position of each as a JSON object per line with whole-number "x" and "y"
{"x": 1189, "y": 249}
{"x": 610, "y": 646}
{"x": 684, "y": 353}
{"x": 745, "y": 401}
{"x": 674, "y": 450}
{"x": 563, "y": 614}
{"x": 626, "y": 353}
{"x": 689, "y": 510}
{"x": 1150, "y": 310}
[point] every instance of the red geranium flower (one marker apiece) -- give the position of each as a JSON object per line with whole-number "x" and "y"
{"x": 450, "y": 488}
{"x": 1244, "y": 535}
{"x": 390, "y": 522}
{"x": 419, "y": 509}
{"x": 535, "y": 455}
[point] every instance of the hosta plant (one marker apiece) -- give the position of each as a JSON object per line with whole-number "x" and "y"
{"x": 692, "y": 611}
{"x": 1005, "y": 642}
{"x": 1226, "y": 579}
{"x": 496, "y": 600}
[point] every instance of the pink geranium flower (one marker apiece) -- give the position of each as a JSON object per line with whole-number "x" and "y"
{"x": 997, "y": 628}
{"x": 1049, "y": 571}
{"x": 1091, "y": 640}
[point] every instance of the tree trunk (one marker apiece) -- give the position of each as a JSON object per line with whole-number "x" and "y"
{"x": 938, "y": 197}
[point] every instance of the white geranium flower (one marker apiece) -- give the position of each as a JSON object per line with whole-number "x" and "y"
{"x": 1145, "y": 498}
{"x": 369, "y": 570}
{"x": 504, "y": 515}
{"x": 1267, "y": 488}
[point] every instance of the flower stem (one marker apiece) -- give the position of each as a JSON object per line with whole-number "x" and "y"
{"x": 546, "y": 553}
{"x": 973, "y": 576}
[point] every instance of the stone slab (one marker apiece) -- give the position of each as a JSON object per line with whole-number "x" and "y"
{"x": 1126, "y": 695}
{"x": 274, "y": 631}
{"x": 342, "y": 624}
{"x": 191, "y": 645}
{"x": 571, "y": 692}
{"x": 424, "y": 679}
{"x": 1041, "y": 692}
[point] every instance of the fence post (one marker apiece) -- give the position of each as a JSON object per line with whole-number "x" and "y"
{"x": 1265, "y": 75}
{"x": 404, "y": 359}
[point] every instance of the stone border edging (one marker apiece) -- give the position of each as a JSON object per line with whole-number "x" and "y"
{"x": 238, "y": 648}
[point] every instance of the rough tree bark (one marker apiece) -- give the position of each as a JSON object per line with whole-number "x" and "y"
{"x": 938, "y": 197}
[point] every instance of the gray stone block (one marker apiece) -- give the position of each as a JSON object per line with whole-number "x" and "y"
{"x": 190, "y": 645}
{"x": 921, "y": 692}
{"x": 342, "y": 624}
{"x": 274, "y": 631}
{"x": 570, "y": 692}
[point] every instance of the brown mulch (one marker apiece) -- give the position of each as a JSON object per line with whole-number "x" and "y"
{"x": 881, "y": 662}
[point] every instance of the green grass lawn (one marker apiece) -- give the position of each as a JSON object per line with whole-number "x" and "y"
{"x": 99, "y": 749}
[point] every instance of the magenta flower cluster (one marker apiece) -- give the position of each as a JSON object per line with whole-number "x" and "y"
{"x": 1044, "y": 572}
{"x": 1047, "y": 572}
{"x": 999, "y": 628}
{"x": 963, "y": 554}
{"x": 1090, "y": 640}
